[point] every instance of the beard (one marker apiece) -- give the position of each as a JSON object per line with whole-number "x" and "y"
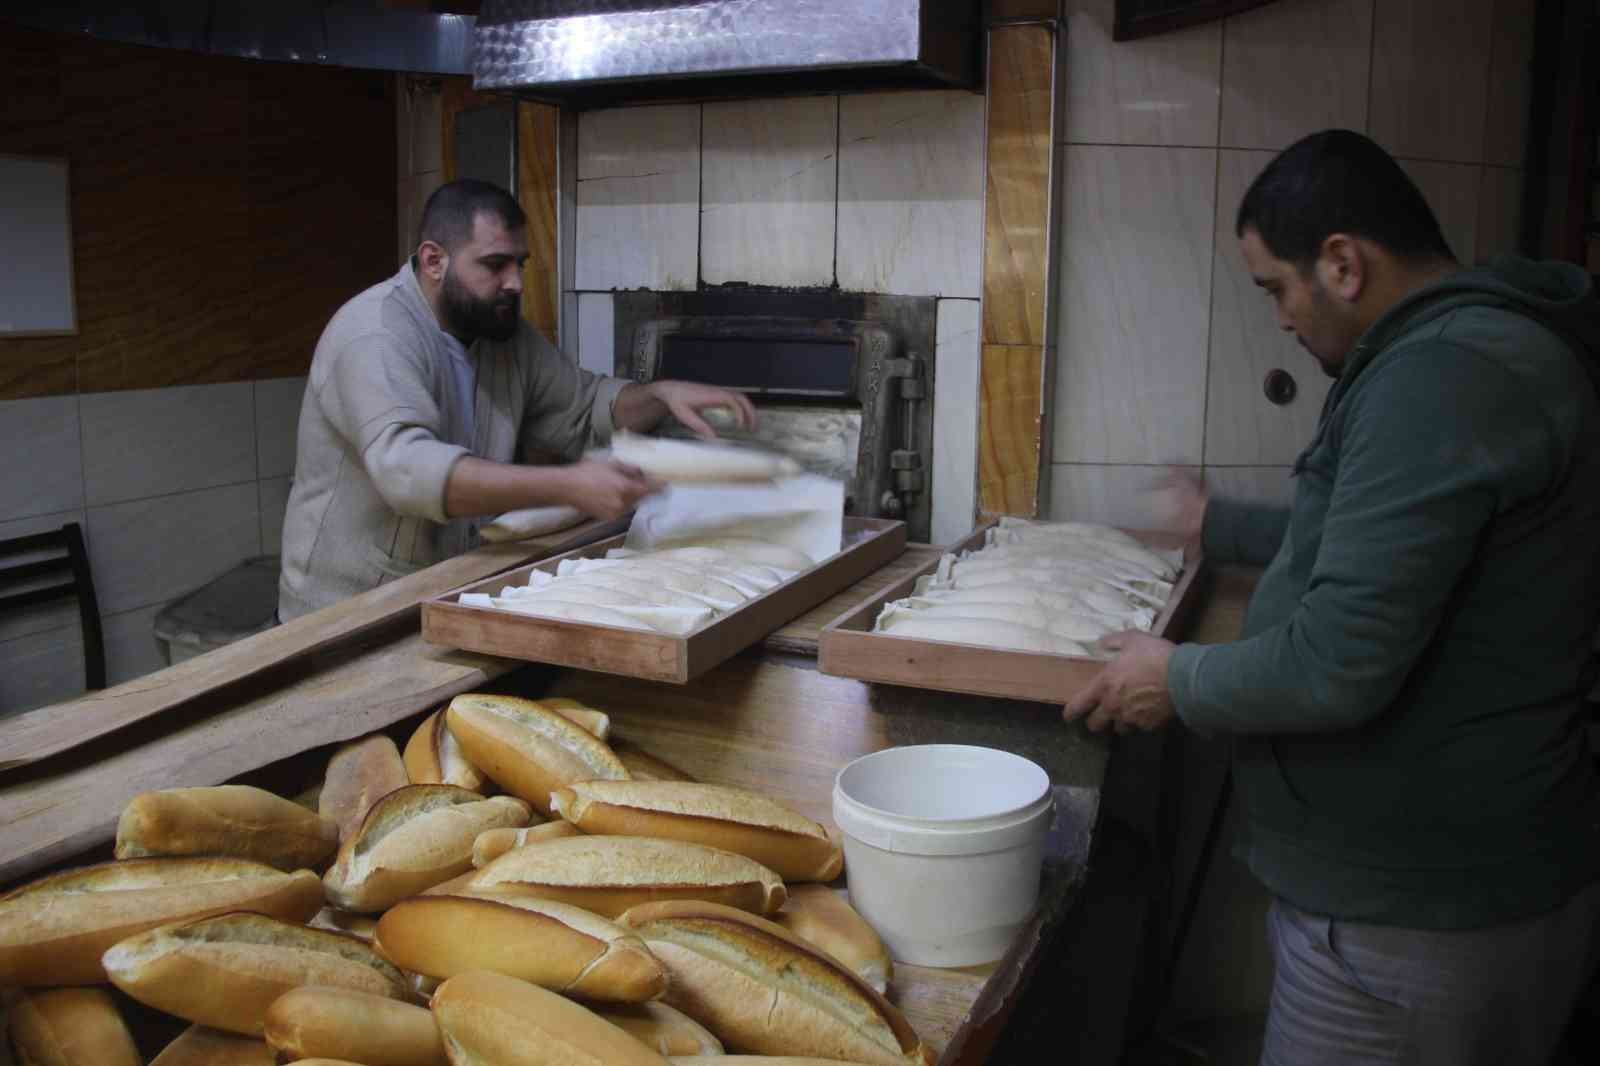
{"x": 470, "y": 318}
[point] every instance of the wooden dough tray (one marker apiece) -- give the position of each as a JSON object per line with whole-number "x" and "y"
{"x": 869, "y": 543}
{"x": 850, "y": 648}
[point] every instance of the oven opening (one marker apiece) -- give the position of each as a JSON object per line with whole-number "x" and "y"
{"x": 800, "y": 367}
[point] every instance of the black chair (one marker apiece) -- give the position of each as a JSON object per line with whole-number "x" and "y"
{"x": 75, "y": 562}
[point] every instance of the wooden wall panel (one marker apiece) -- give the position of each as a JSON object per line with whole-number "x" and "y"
{"x": 538, "y": 130}
{"x": 1010, "y": 427}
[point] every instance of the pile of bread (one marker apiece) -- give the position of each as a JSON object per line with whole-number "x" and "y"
{"x": 1054, "y": 587}
{"x": 675, "y": 587}
{"x": 650, "y": 916}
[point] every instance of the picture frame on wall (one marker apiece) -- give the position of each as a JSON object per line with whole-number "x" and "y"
{"x": 37, "y": 299}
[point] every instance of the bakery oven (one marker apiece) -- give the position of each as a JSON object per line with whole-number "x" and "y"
{"x": 843, "y": 382}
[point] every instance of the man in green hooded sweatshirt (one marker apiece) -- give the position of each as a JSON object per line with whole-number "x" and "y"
{"x": 1405, "y": 700}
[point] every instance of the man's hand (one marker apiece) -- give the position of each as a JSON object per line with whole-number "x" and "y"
{"x": 1180, "y": 504}
{"x": 604, "y": 488}
{"x": 641, "y": 407}
{"x": 1130, "y": 692}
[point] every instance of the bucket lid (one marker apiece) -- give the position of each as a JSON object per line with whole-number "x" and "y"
{"x": 942, "y": 799}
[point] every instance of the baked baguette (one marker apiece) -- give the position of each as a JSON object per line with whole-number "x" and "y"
{"x": 54, "y": 930}
{"x": 765, "y": 991}
{"x": 359, "y": 775}
{"x": 733, "y": 819}
{"x": 642, "y": 766}
{"x": 414, "y": 838}
{"x": 560, "y": 947}
{"x": 199, "y": 1046}
{"x": 821, "y": 917}
{"x": 226, "y": 971}
{"x": 493, "y": 843}
{"x": 609, "y": 874}
{"x": 667, "y": 1029}
{"x": 488, "y": 1019}
{"x": 337, "y": 1023}
{"x": 579, "y": 713}
{"x": 750, "y": 1060}
{"x": 235, "y": 820}
{"x": 71, "y": 1027}
{"x": 361, "y": 926}
{"x": 526, "y": 748}
{"x": 433, "y": 757}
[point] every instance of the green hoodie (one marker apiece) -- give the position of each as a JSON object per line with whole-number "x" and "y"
{"x": 1404, "y": 700}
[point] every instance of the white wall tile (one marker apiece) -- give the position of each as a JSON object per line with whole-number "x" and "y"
{"x": 274, "y": 500}
{"x": 769, "y": 191}
{"x": 277, "y": 423}
{"x": 1125, "y": 496}
{"x": 1510, "y": 82}
{"x": 957, "y": 374}
{"x": 1160, "y": 90}
{"x": 44, "y": 616}
{"x": 1134, "y": 298}
{"x": 40, "y": 669}
{"x": 1293, "y": 68}
{"x": 132, "y": 649}
{"x": 1499, "y": 212}
{"x": 1251, "y": 484}
{"x": 45, "y": 430}
{"x": 1246, "y": 343}
{"x": 148, "y": 442}
{"x": 596, "y": 333}
{"x": 1451, "y": 190}
{"x": 155, "y": 550}
{"x": 1430, "y": 77}
{"x": 911, "y": 193}
{"x": 638, "y": 198}
{"x": 570, "y": 335}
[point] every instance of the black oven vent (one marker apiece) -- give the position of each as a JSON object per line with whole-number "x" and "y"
{"x": 773, "y": 367}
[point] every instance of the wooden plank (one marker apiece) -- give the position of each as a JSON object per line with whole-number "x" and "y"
{"x": 802, "y": 635}
{"x": 49, "y": 731}
{"x": 850, "y": 648}
{"x": 1010, "y": 427}
{"x": 538, "y": 131}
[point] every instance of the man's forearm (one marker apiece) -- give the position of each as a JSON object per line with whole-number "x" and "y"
{"x": 637, "y": 409}
{"x": 481, "y": 487}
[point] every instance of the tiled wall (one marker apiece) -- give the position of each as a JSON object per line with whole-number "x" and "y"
{"x": 1163, "y": 341}
{"x": 878, "y": 192}
{"x": 172, "y": 487}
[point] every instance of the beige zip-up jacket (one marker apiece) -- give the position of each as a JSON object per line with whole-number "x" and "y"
{"x": 377, "y": 440}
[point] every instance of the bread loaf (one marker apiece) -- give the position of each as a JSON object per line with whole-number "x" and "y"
{"x": 414, "y": 838}
{"x": 581, "y": 714}
{"x": 199, "y": 1046}
{"x": 359, "y": 775}
{"x": 336, "y": 1023}
{"x": 488, "y": 1019}
{"x": 53, "y": 931}
{"x": 527, "y": 749}
{"x": 493, "y": 843}
{"x": 235, "y": 820}
{"x": 733, "y": 819}
{"x": 664, "y": 1028}
{"x": 71, "y": 1027}
{"x": 749, "y": 1060}
{"x": 764, "y": 991}
{"x": 554, "y": 945}
{"x": 642, "y": 766}
{"x": 361, "y": 926}
{"x": 226, "y": 971}
{"x": 434, "y": 758}
{"x": 609, "y": 874}
{"x": 820, "y": 916}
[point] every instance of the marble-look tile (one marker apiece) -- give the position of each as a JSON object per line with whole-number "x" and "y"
{"x": 1134, "y": 294}
{"x": 1011, "y": 425}
{"x": 1430, "y": 75}
{"x": 1251, "y": 484}
{"x": 1293, "y": 68}
{"x": 1016, "y": 219}
{"x": 427, "y": 130}
{"x": 1510, "y": 83}
{"x": 40, "y": 669}
{"x": 596, "y": 333}
{"x": 155, "y": 550}
{"x": 1246, "y": 344}
{"x": 638, "y": 198}
{"x": 1451, "y": 190}
{"x": 46, "y": 430}
{"x": 1159, "y": 90}
{"x": 769, "y": 188}
{"x": 274, "y": 500}
{"x": 955, "y": 420}
{"x": 278, "y": 403}
{"x": 1499, "y": 212}
{"x": 149, "y": 442}
{"x": 1123, "y": 496}
{"x": 911, "y": 193}
{"x": 132, "y": 649}
{"x": 37, "y": 619}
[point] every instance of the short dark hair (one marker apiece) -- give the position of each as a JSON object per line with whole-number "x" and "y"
{"x": 449, "y": 214}
{"x": 1338, "y": 181}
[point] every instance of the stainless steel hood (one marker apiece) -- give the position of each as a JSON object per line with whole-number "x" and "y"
{"x": 592, "y": 52}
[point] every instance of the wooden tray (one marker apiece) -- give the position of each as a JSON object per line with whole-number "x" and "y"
{"x": 849, "y": 647}
{"x": 869, "y": 544}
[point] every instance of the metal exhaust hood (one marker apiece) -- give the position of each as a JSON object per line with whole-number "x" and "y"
{"x": 597, "y": 52}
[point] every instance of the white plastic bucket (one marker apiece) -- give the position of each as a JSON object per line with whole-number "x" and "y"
{"x": 942, "y": 846}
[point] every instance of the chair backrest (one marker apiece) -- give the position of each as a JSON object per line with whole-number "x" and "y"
{"x": 35, "y": 577}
